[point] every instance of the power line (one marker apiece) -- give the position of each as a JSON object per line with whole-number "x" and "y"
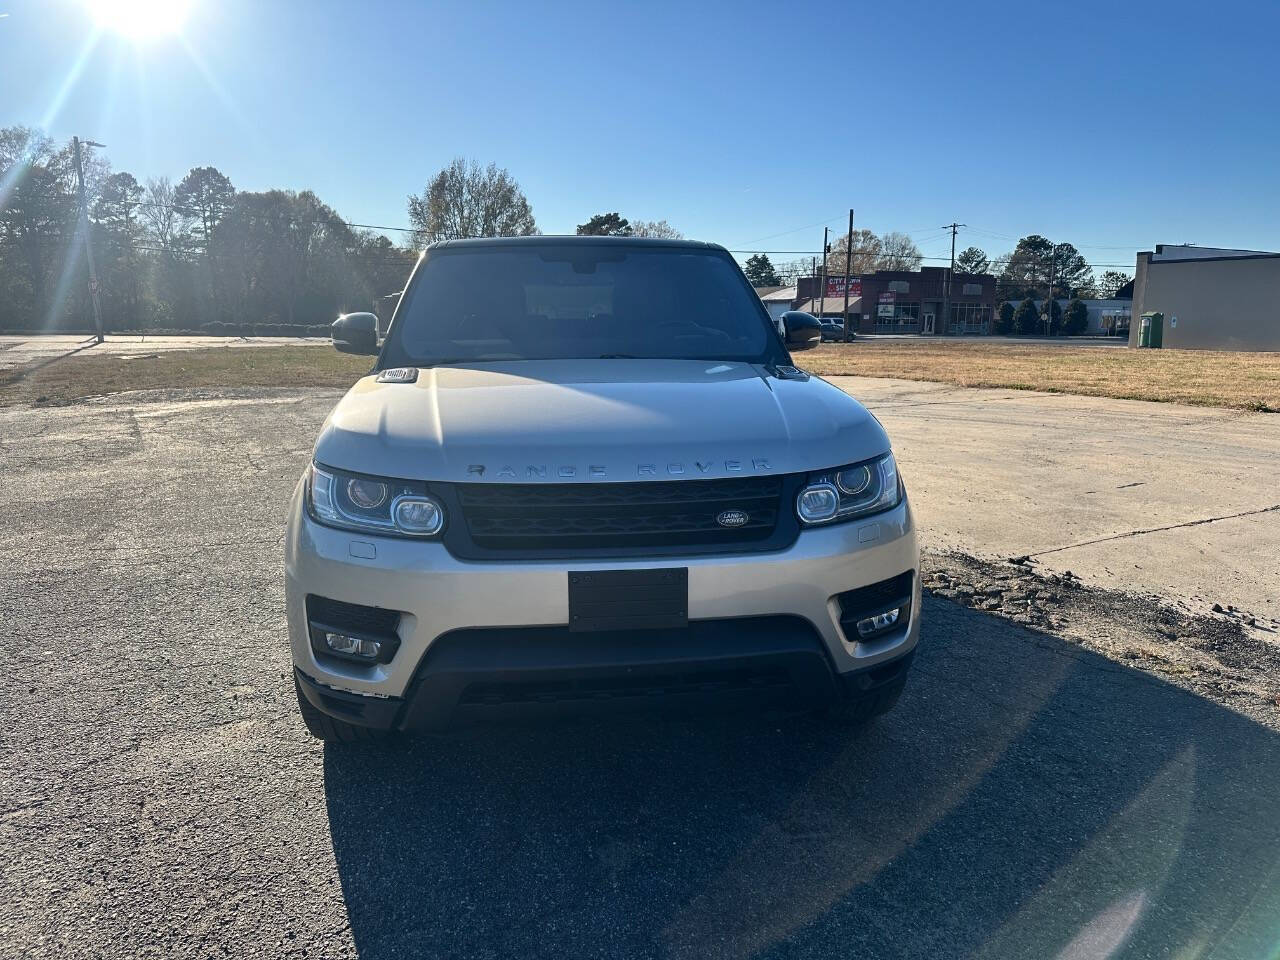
{"x": 784, "y": 233}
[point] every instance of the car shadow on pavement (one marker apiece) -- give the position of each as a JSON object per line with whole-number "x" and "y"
{"x": 1026, "y": 798}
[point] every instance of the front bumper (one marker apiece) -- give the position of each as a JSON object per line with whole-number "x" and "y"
{"x": 453, "y": 615}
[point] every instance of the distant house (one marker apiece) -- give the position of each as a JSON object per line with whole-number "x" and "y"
{"x": 777, "y": 300}
{"x": 832, "y": 308}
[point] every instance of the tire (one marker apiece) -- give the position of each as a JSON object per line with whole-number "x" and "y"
{"x": 860, "y": 709}
{"x": 324, "y": 727}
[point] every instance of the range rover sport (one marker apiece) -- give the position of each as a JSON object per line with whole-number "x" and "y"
{"x": 584, "y": 474}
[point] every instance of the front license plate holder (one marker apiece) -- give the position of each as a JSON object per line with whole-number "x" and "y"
{"x": 628, "y": 599}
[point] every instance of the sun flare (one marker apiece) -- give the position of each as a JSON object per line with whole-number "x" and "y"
{"x": 140, "y": 19}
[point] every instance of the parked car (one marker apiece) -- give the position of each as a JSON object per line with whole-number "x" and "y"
{"x": 584, "y": 473}
{"x": 834, "y": 330}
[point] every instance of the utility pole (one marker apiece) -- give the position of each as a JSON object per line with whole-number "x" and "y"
{"x": 946, "y": 294}
{"x": 822, "y": 286}
{"x": 848, "y": 256}
{"x": 1048, "y": 303}
{"x": 84, "y": 226}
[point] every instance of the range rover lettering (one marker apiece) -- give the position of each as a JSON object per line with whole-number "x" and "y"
{"x": 584, "y": 474}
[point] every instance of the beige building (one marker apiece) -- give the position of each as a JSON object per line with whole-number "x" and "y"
{"x": 1211, "y": 298}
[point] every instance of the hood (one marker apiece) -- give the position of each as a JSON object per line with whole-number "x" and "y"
{"x": 563, "y": 421}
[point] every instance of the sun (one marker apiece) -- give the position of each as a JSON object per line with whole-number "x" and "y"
{"x": 140, "y": 19}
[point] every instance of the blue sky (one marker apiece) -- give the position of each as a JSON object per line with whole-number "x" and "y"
{"x": 1114, "y": 126}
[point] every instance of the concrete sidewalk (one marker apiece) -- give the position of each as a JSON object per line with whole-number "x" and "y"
{"x": 1151, "y": 497}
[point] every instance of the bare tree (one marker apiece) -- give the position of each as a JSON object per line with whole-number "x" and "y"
{"x": 866, "y": 253}
{"x": 898, "y": 252}
{"x": 658, "y": 229}
{"x": 468, "y": 200}
{"x": 165, "y": 222}
{"x": 792, "y": 270}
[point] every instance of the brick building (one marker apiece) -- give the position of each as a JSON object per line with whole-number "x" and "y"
{"x": 906, "y": 301}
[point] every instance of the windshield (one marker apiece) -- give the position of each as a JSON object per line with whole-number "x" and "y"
{"x": 579, "y": 301}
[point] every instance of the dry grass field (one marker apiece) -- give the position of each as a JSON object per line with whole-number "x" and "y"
{"x": 1247, "y": 381}
{"x": 84, "y": 375}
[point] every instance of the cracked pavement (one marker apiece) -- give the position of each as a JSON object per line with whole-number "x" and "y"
{"x": 1037, "y": 792}
{"x": 1145, "y": 497}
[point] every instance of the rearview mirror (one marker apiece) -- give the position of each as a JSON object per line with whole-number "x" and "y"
{"x": 803, "y": 330}
{"x": 356, "y": 333}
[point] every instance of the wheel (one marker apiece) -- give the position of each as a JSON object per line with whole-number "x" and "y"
{"x": 324, "y": 727}
{"x": 861, "y": 708}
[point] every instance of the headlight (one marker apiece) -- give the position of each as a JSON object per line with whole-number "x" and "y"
{"x": 843, "y": 493}
{"x": 351, "y": 501}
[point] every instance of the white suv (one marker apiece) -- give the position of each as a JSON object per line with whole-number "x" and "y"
{"x": 583, "y": 474}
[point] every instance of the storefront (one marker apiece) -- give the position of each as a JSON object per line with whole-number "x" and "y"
{"x": 924, "y": 302}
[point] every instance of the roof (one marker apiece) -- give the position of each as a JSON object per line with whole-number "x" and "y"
{"x": 1166, "y": 252}
{"x": 821, "y": 305}
{"x": 776, "y": 294}
{"x": 573, "y": 240}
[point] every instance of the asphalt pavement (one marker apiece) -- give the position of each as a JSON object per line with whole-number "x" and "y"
{"x": 159, "y": 796}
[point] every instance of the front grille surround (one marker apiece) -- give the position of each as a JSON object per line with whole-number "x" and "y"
{"x": 642, "y": 519}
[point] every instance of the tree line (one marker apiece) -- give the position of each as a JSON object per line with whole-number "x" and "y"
{"x": 200, "y": 254}
{"x": 1024, "y": 272}
{"x": 186, "y": 255}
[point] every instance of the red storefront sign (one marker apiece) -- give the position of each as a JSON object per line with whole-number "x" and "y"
{"x": 835, "y": 287}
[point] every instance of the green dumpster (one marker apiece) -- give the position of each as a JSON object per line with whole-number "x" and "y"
{"x": 1151, "y": 331}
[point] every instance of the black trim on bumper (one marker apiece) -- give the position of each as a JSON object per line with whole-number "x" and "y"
{"x": 862, "y": 682}
{"x": 479, "y": 674}
{"x": 482, "y": 673}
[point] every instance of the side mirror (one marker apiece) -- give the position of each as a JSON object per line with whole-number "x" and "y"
{"x": 356, "y": 333}
{"x": 803, "y": 331}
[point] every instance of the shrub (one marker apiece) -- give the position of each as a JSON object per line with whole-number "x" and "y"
{"x": 1026, "y": 319}
{"x": 1055, "y": 318}
{"x": 1004, "y": 318}
{"x": 1076, "y": 319}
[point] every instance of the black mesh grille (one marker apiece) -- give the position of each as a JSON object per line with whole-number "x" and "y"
{"x": 352, "y": 616}
{"x": 552, "y": 517}
{"x": 615, "y": 688}
{"x": 874, "y": 598}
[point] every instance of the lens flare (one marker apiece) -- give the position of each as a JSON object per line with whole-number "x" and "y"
{"x": 140, "y": 19}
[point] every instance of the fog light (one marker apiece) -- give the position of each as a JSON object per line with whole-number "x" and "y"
{"x": 879, "y": 623}
{"x": 350, "y": 646}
